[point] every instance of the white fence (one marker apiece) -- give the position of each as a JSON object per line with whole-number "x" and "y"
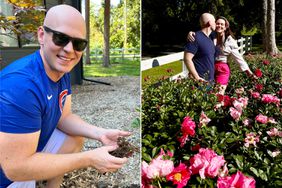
{"x": 96, "y": 55}
{"x": 244, "y": 44}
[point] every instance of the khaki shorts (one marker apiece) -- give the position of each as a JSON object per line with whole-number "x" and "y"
{"x": 53, "y": 145}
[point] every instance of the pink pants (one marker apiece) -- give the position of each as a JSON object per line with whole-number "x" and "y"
{"x": 222, "y": 73}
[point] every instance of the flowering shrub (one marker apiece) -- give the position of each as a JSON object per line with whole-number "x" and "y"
{"x": 216, "y": 140}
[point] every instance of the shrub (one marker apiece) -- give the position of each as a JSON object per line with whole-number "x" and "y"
{"x": 243, "y": 128}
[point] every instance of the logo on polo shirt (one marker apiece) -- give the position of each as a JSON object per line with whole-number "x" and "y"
{"x": 62, "y": 99}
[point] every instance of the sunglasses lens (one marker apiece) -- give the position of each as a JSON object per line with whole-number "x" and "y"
{"x": 79, "y": 45}
{"x": 60, "y": 39}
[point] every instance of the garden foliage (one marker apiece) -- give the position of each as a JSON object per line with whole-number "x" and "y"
{"x": 215, "y": 140}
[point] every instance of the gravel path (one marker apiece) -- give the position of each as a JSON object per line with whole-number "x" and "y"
{"x": 113, "y": 106}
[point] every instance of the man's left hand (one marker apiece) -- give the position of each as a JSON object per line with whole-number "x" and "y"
{"x": 109, "y": 136}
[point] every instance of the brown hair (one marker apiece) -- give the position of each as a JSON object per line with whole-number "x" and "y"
{"x": 227, "y": 25}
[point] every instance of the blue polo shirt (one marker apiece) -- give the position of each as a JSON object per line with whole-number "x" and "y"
{"x": 204, "y": 55}
{"x": 30, "y": 101}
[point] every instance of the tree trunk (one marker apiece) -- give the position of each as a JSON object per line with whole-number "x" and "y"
{"x": 125, "y": 27}
{"x": 268, "y": 31}
{"x": 271, "y": 42}
{"x": 264, "y": 25}
{"x": 87, "y": 20}
{"x": 106, "y": 54}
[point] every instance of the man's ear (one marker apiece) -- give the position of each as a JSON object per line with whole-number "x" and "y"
{"x": 40, "y": 35}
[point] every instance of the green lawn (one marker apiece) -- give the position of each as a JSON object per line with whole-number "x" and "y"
{"x": 125, "y": 68}
{"x": 156, "y": 73}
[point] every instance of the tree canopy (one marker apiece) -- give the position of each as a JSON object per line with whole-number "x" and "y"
{"x": 167, "y": 22}
{"x": 117, "y": 32}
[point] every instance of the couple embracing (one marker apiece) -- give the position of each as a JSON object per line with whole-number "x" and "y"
{"x": 207, "y": 50}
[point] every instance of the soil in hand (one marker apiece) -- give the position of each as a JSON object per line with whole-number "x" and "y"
{"x": 125, "y": 149}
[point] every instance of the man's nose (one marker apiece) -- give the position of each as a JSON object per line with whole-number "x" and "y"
{"x": 69, "y": 47}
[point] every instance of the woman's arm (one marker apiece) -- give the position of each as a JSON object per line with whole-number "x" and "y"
{"x": 232, "y": 48}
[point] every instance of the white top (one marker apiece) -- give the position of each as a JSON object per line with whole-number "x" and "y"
{"x": 231, "y": 47}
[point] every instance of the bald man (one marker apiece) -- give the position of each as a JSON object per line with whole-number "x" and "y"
{"x": 40, "y": 137}
{"x": 199, "y": 55}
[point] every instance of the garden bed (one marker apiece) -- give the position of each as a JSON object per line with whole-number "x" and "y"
{"x": 204, "y": 139}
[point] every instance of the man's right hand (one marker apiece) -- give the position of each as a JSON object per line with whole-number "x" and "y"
{"x": 103, "y": 161}
{"x": 191, "y": 36}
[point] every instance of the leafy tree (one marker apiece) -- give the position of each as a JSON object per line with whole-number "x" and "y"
{"x": 28, "y": 15}
{"x": 117, "y": 25}
{"x": 167, "y": 22}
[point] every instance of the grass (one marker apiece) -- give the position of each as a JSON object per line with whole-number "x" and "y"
{"x": 125, "y": 68}
{"x": 156, "y": 73}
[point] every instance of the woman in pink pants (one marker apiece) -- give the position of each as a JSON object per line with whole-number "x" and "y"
{"x": 225, "y": 45}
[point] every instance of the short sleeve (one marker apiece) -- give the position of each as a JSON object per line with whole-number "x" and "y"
{"x": 191, "y": 47}
{"x": 68, "y": 83}
{"x": 20, "y": 106}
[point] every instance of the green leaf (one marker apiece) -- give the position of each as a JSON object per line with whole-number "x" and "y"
{"x": 239, "y": 161}
{"x": 154, "y": 151}
{"x": 254, "y": 171}
{"x": 146, "y": 142}
{"x": 263, "y": 175}
{"x": 146, "y": 157}
{"x": 186, "y": 157}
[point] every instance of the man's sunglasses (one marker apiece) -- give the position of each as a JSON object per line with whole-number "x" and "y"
{"x": 61, "y": 39}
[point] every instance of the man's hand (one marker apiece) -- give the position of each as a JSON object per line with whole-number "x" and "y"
{"x": 191, "y": 36}
{"x": 103, "y": 161}
{"x": 109, "y": 136}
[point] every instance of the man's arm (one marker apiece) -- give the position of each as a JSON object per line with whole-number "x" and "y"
{"x": 73, "y": 125}
{"x": 20, "y": 162}
{"x": 190, "y": 65}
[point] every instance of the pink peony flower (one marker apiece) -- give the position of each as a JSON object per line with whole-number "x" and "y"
{"x": 239, "y": 90}
{"x": 227, "y": 101}
{"x": 188, "y": 129}
{"x": 206, "y": 163}
{"x": 158, "y": 167}
{"x": 247, "y": 122}
{"x": 268, "y": 98}
{"x": 179, "y": 176}
{"x": 244, "y": 101}
{"x": 188, "y": 126}
{"x": 255, "y": 95}
{"x": 266, "y": 62}
{"x": 261, "y": 119}
{"x": 271, "y": 120}
{"x": 259, "y": 87}
{"x": 196, "y": 147}
{"x": 236, "y": 180}
{"x": 258, "y": 73}
{"x": 238, "y": 105}
{"x": 274, "y": 132}
{"x": 251, "y": 138}
{"x": 163, "y": 154}
{"x": 275, "y": 153}
{"x": 204, "y": 120}
{"x": 220, "y": 97}
{"x": 235, "y": 114}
